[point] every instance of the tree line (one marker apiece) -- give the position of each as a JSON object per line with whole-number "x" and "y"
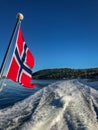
{"x": 66, "y": 73}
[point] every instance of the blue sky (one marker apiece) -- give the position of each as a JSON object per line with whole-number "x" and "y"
{"x": 60, "y": 33}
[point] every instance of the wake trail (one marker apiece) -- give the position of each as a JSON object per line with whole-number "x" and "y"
{"x": 64, "y": 105}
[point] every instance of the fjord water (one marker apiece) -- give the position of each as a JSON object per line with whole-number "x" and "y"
{"x": 13, "y": 92}
{"x": 64, "y": 105}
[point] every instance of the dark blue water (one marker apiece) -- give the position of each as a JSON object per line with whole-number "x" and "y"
{"x": 13, "y": 92}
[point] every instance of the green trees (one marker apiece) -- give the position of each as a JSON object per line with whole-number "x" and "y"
{"x": 66, "y": 73}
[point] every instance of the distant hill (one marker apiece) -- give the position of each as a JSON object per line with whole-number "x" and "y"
{"x": 66, "y": 73}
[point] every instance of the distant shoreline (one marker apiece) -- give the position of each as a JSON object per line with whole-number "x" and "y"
{"x": 66, "y": 73}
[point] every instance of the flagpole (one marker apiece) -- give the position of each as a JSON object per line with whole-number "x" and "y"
{"x": 19, "y": 19}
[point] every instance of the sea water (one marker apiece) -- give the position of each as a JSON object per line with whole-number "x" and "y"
{"x": 64, "y": 105}
{"x": 13, "y": 92}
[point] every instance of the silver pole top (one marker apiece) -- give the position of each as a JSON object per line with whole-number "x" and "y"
{"x": 20, "y": 16}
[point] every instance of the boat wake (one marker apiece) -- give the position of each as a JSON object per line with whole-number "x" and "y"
{"x": 64, "y": 105}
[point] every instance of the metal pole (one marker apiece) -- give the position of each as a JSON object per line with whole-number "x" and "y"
{"x": 19, "y": 19}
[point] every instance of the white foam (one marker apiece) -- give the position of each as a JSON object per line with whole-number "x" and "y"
{"x": 61, "y": 106}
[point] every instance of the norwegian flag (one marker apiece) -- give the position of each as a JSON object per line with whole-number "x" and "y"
{"x": 21, "y": 63}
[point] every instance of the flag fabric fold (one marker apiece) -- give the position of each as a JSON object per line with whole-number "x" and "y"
{"x": 21, "y": 63}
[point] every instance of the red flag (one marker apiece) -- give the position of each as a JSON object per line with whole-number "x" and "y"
{"x": 21, "y": 63}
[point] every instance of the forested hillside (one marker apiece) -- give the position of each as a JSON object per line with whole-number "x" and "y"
{"x": 66, "y": 73}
